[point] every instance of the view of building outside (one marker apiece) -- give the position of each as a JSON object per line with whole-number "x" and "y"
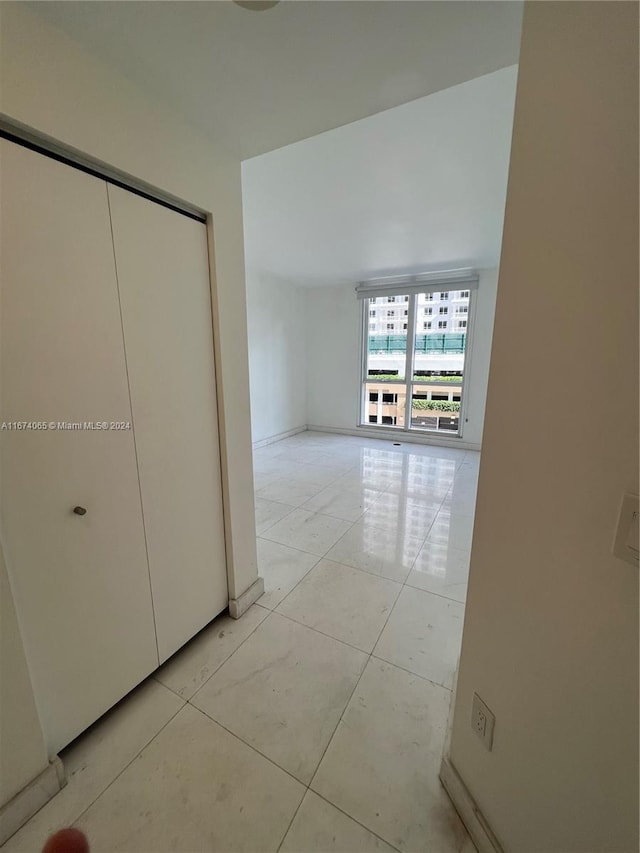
{"x": 437, "y": 360}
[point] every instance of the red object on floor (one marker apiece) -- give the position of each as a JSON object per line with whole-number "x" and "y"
{"x": 68, "y": 840}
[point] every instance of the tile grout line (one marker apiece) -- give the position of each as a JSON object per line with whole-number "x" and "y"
{"x": 370, "y": 655}
{"x": 295, "y": 586}
{"x": 322, "y": 633}
{"x": 284, "y": 517}
{"x": 393, "y": 847}
{"x": 324, "y": 554}
{"x": 129, "y": 763}
{"x": 251, "y": 746}
{"x": 292, "y": 547}
{"x": 293, "y": 817}
{"x": 412, "y": 673}
{"x": 250, "y": 634}
{"x": 437, "y": 594}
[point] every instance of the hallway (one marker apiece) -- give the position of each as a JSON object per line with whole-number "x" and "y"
{"x": 317, "y": 721}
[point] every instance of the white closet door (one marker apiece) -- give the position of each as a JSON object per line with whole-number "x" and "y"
{"x": 163, "y": 276}
{"x": 81, "y": 582}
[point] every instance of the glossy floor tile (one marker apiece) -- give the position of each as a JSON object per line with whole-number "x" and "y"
{"x": 94, "y": 760}
{"x": 319, "y": 827}
{"x": 268, "y": 512}
{"x": 322, "y": 475}
{"x": 287, "y": 491}
{"x": 282, "y": 568}
{"x": 191, "y": 666}
{"x": 308, "y": 531}
{"x": 387, "y": 553}
{"x": 399, "y": 513}
{"x": 423, "y": 634}
{"x": 283, "y": 692}
{"x": 342, "y": 602}
{"x": 382, "y": 765}
{"x": 344, "y": 502}
{"x": 263, "y": 479}
{"x": 194, "y": 788}
{"x": 451, "y": 528}
{"x": 315, "y": 722}
{"x": 441, "y": 569}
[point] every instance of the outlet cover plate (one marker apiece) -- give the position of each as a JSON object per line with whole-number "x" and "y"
{"x": 483, "y": 721}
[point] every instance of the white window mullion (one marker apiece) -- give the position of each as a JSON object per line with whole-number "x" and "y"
{"x": 411, "y": 331}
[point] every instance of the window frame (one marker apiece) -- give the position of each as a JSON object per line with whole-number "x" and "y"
{"x": 407, "y": 382}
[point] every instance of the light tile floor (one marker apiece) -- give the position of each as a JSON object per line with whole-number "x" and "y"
{"x": 316, "y": 722}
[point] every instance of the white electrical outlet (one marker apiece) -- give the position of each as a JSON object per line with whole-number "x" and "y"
{"x": 482, "y": 721}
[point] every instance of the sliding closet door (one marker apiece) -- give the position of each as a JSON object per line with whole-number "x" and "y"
{"x": 71, "y": 509}
{"x": 163, "y": 276}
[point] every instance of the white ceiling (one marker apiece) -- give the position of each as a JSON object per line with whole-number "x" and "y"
{"x": 255, "y": 81}
{"x": 418, "y": 187}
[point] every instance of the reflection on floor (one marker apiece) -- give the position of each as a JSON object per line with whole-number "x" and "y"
{"x": 315, "y": 722}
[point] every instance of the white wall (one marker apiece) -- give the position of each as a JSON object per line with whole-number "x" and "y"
{"x": 419, "y": 187}
{"x": 54, "y": 86}
{"x": 334, "y": 357}
{"x": 551, "y": 629}
{"x": 276, "y": 322}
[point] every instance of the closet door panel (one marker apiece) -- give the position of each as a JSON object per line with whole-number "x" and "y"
{"x": 163, "y": 275}
{"x": 81, "y": 582}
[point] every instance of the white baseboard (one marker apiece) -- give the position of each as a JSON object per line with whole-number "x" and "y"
{"x": 240, "y": 605}
{"x": 273, "y": 438}
{"x": 473, "y": 819}
{"x": 381, "y": 434}
{"x": 402, "y": 437}
{"x": 31, "y": 799}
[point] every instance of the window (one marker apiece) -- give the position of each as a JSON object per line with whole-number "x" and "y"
{"x": 418, "y": 387}
{"x": 464, "y": 294}
{"x": 372, "y": 327}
